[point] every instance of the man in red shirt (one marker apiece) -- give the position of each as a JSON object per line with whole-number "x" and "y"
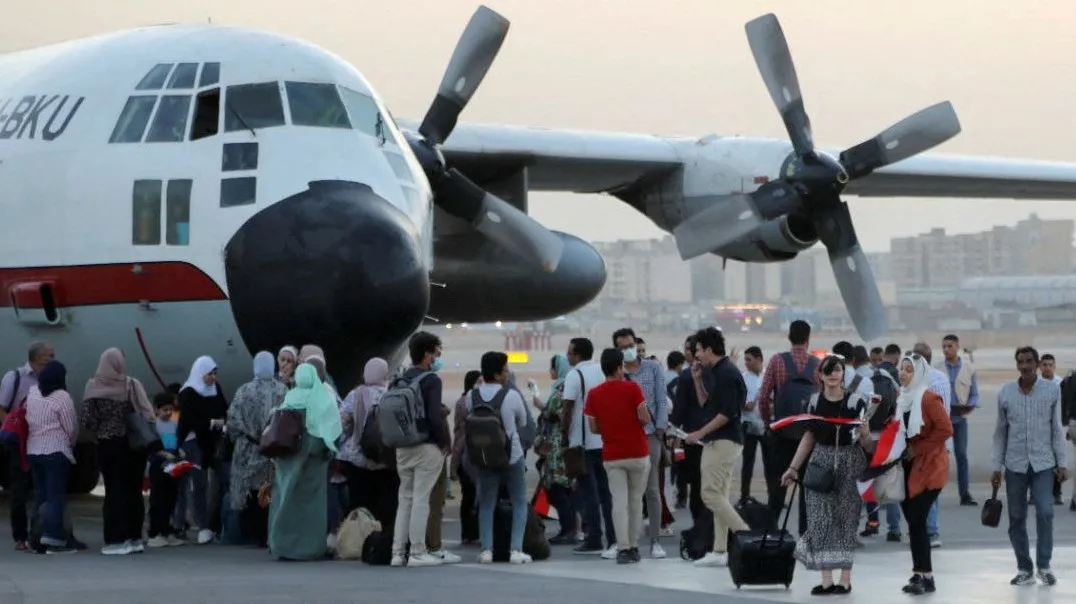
{"x": 616, "y": 410}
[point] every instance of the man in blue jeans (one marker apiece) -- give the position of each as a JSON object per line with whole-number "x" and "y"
{"x": 965, "y": 389}
{"x": 1029, "y": 451}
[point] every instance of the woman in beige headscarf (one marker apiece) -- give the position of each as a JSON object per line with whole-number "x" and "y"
{"x": 109, "y": 397}
{"x": 371, "y": 475}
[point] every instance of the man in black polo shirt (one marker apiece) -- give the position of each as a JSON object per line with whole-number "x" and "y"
{"x": 721, "y": 437}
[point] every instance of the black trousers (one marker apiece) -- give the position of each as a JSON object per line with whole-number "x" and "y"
{"x": 782, "y": 451}
{"x": 469, "y": 508}
{"x": 123, "y": 510}
{"x": 254, "y": 521}
{"x": 375, "y": 490}
{"x": 751, "y": 444}
{"x": 916, "y": 511}
{"x": 691, "y": 473}
{"x": 163, "y": 492}
{"x": 18, "y": 490}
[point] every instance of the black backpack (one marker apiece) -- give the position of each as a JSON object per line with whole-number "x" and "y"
{"x": 373, "y": 446}
{"x": 885, "y": 387}
{"x": 793, "y": 396}
{"x": 486, "y": 438}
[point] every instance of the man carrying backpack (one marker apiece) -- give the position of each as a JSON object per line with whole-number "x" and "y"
{"x": 790, "y": 379}
{"x": 495, "y": 414}
{"x": 411, "y": 421}
{"x": 13, "y": 390}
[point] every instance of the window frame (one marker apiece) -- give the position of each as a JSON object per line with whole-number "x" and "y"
{"x": 373, "y": 131}
{"x": 173, "y": 85}
{"x": 230, "y": 112}
{"x": 242, "y": 150}
{"x": 203, "y": 80}
{"x": 186, "y": 115}
{"x": 195, "y": 113}
{"x": 147, "y": 84}
{"x": 228, "y": 181}
{"x": 137, "y": 203}
{"x": 134, "y": 98}
{"x": 181, "y": 199}
{"x": 303, "y": 90}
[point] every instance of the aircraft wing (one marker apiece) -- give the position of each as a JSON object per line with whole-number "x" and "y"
{"x": 558, "y": 160}
{"x": 977, "y": 177}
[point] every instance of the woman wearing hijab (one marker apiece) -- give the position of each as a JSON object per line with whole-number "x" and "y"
{"x": 832, "y": 516}
{"x": 247, "y": 418}
{"x": 110, "y": 396}
{"x": 468, "y": 489}
{"x": 53, "y": 429}
{"x": 203, "y": 411}
{"x": 556, "y": 483}
{"x": 372, "y": 483}
{"x": 297, "y": 511}
{"x": 310, "y": 351}
{"x": 286, "y": 360}
{"x": 337, "y": 501}
{"x": 926, "y": 425}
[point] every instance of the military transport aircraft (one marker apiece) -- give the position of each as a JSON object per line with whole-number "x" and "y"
{"x": 183, "y": 190}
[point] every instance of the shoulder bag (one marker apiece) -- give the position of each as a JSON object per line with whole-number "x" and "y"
{"x": 283, "y": 437}
{"x": 575, "y": 458}
{"x": 141, "y": 433}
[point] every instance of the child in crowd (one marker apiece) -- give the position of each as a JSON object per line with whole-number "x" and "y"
{"x": 163, "y": 487}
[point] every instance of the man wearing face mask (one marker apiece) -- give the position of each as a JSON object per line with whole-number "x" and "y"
{"x": 650, "y": 376}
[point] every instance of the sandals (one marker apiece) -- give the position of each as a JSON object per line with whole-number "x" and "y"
{"x": 836, "y": 589}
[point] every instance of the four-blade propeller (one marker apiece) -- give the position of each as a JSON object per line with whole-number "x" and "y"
{"x": 455, "y": 193}
{"x": 811, "y": 189}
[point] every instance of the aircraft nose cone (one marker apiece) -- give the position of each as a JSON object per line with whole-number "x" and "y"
{"x": 335, "y": 265}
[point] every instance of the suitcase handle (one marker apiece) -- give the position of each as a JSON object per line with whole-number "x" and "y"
{"x": 788, "y": 514}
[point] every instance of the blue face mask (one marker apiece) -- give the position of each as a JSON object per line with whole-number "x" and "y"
{"x": 438, "y": 365}
{"x": 630, "y": 354}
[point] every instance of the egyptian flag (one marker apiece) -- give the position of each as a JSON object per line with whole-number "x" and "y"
{"x": 179, "y": 468}
{"x": 807, "y": 420}
{"x": 541, "y": 505}
{"x": 887, "y": 453}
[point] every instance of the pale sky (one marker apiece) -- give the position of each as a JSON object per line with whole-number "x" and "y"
{"x": 683, "y": 67}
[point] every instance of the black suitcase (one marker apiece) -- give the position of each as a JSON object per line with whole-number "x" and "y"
{"x": 756, "y": 514}
{"x": 763, "y": 557}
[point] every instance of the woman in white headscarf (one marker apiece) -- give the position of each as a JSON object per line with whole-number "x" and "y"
{"x": 286, "y": 360}
{"x": 247, "y": 418}
{"x": 926, "y": 425}
{"x": 202, "y": 413}
{"x": 298, "y": 513}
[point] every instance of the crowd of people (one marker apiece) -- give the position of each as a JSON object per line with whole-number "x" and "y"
{"x": 610, "y": 431}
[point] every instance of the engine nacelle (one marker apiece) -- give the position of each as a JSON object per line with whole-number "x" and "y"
{"x": 484, "y": 283}
{"x": 775, "y": 241}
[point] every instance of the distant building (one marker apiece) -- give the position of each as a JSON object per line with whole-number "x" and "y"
{"x": 646, "y": 271}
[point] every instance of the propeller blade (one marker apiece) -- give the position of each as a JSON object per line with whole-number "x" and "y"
{"x": 731, "y": 217}
{"x": 770, "y": 48}
{"x": 500, "y": 221}
{"x": 855, "y": 280}
{"x": 910, "y": 136}
{"x": 471, "y": 60}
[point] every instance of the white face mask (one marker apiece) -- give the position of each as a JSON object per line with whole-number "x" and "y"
{"x": 630, "y": 354}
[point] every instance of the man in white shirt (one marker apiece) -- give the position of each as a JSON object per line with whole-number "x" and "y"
{"x": 593, "y": 498}
{"x": 855, "y": 373}
{"x": 753, "y": 427}
{"x": 513, "y": 410}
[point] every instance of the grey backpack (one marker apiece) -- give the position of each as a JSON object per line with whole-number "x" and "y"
{"x": 401, "y": 416}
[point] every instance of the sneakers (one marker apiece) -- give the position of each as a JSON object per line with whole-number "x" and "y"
{"x": 1047, "y": 577}
{"x": 712, "y": 560}
{"x": 518, "y": 557}
{"x": 967, "y": 501}
{"x": 117, "y": 549}
{"x": 158, "y": 541}
{"x": 174, "y": 541}
{"x": 919, "y": 585}
{"x": 656, "y": 551}
{"x": 892, "y": 537}
{"x": 446, "y": 556}
{"x": 424, "y": 559}
{"x": 1022, "y": 578}
{"x": 667, "y": 532}
{"x": 20, "y": 546}
{"x": 588, "y": 549}
{"x": 205, "y": 536}
{"x": 136, "y": 546}
{"x": 610, "y": 554}
{"x": 870, "y": 530}
{"x": 59, "y": 549}
{"x": 624, "y": 556}
{"x": 935, "y": 541}
{"x": 486, "y": 557}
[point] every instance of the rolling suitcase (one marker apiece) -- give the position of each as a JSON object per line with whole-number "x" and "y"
{"x": 756, "y": 514}
{"x": 763, "y": 557}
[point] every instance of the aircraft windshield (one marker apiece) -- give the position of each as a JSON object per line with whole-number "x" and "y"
{"x": 133, "y": 119}
{"x": 365, "y": 116}
{"x": 316, "y": 105}
{"x": 170, "y": 122}
{"x": 253, "y": 106}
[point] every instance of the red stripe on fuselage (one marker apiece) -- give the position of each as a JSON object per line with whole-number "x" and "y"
{"x": 97, "y": 284}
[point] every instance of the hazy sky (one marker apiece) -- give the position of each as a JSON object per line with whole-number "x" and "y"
{"x": 684, "y": 67}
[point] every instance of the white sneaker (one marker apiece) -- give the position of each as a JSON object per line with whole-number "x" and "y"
{"x": 205, "y": 536}
{"x": 136, "y": 546}
{"x": 174, "y": 541}
{"x": 712, "y": 560}
{"x": 610, "y": 554}
{"x": 158, "y": 541}
{"x": 424, "y": 559}
{"x": 398, "y": 560}
{"x": 656, "y": 551}
{"x": 518, "y": 557}
{"x": 330, "y": 542}
{"x": 116, "y": 549}
{"x": 486, "y": 557}
{"x": 446, "y": 556}
{"x": 667, "y": 532}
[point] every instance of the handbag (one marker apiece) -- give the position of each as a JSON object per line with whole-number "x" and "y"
{"x": 283, "y": 437}
{"x": 992, "y": 508}
{"x": 819, "y": 477}
{"x": 889, "y": 487}
{"x": 575, "y": 458}
{"x": 140, "y": 432}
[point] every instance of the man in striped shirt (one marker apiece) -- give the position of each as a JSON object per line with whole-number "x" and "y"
{"x": 1029, "y": 451}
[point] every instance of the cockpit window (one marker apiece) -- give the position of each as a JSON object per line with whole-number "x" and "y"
{"x": 316, "y": 105}
{"x": 183, "y": 76}
{"x": 133, "y": 119}
{"x": 210, "y": 75}
{"x": 178, "y": 212}
{"x": 365, "y": 116}
{"x": 253, "y": 106}
{"x": 170, "y": 122}
{"x": 154, "y": 79}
